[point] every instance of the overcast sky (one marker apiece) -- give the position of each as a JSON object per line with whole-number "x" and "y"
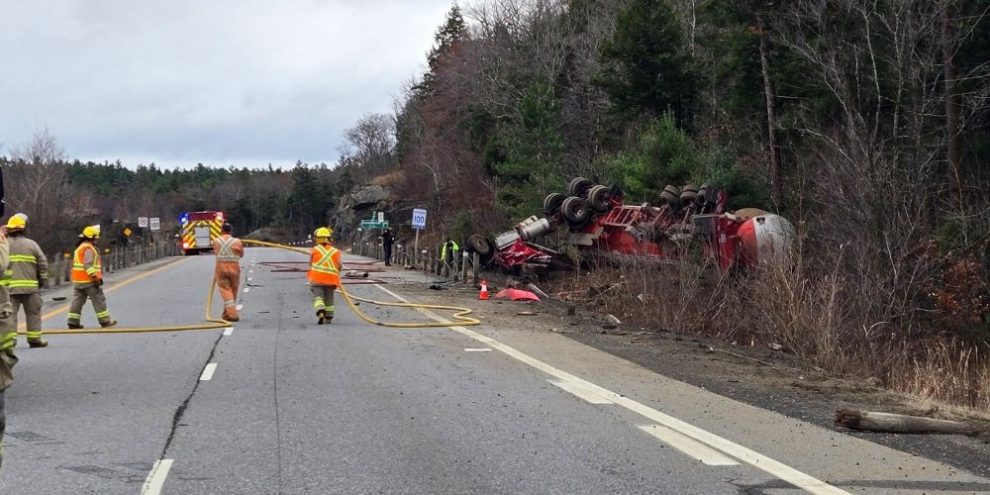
{"x": 176, "y": 82}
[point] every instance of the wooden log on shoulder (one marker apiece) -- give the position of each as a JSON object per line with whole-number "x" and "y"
{"x": 900, "y": 423}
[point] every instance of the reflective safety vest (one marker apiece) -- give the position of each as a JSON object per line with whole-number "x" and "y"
{"x": 82, "y": 274}
{"x": 454, "y": 247}
{"x": 223, "y": 247}
{"x": 324, "y": 265}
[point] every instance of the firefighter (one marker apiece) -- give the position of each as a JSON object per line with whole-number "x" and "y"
{"x": 87, "y": 280}
{"x": 28, "y": 275}
{"x": 452, "y": 248}
{"x": 324, "y": 274}
{"x": 229, "y": 250}
{"x": 8, "y": 337}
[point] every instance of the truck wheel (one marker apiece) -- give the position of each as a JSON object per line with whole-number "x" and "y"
{"x": 579, "y": 186}
{"x": 689, "y": 193}
{"x": 477, "y": 243}
{"x": 552, "y": 203}
{"x": 600, "y": 199}
{"x": 575, "y": 211}
{"x": 670, "y": 195}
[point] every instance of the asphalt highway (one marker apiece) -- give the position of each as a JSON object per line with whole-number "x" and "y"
{"x": 279, "y": 405}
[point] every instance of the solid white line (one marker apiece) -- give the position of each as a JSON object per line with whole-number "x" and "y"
{"x": 691, "y": 448}
{"x": 583, "y": 393}
{"x": 747, "y": 455}
{"x": 228, "y": 331}
{"x": 208, "y": 372}
{"x": 484, "y": 349}
{"x": 156, "y": 478}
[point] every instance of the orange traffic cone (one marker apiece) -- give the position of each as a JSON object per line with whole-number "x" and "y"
{"x": 483, "y": 296}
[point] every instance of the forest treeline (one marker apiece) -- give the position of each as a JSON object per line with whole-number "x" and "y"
{"x": 864, "y": 122}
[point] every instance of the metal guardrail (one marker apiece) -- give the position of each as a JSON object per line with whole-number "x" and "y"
{"x": 427, "y": 260}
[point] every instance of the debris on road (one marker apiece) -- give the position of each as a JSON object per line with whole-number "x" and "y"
{"x": 775, "y": 346}
{"x": 355, "y": 274}
{"x": 517, "y": 295}
{"x": 900, "y": 423}
{"x": 526, "y": 313}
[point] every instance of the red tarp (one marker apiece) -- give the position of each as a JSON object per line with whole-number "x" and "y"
{"x": 517, "y": 295}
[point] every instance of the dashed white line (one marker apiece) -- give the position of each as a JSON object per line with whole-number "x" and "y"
{"x": 156, "y": 478}
{"x": 228, "y": 331}
{"x": 250, "y": 279}
{"x": 247, "y": 289}
{"x": 240, "y": 307}
{"x": 483, "y": 349}
{"x": 208, "y": 372}
{"x": 764, "y": 463}
{"x": 690, "y": 447}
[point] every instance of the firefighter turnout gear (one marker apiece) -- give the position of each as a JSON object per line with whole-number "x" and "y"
{"x": 324, "y": 276}
{"x": 8, "y": 338}
{"x": 26, "y": 275}
{"x": 228, "y": 250}
{"x": 87, "y": 283}
{"x": 91, "y": 232}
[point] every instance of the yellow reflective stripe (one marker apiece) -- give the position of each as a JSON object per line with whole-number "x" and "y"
{"x": 101, "y": 314}
{"x": 26, "y": 258}
{"x": 34, "y": 335}
{"x": 20, "y": 283}
{"x": 8, "y": 340}
{"x": 325, "y": 265}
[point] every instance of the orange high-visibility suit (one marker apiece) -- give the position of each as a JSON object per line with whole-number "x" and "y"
{"x": 324, "y": 278}
{"x": 229, "y": 251}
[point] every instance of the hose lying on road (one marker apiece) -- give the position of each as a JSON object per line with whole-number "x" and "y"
{"x": 211, "y": 323}
{"x": 460, "y": 313}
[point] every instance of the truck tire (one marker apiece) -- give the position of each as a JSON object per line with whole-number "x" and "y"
{"x": 689, "y": 193}
{"x": 600, "y": 199}
{"x": 552, "y": 204}
{"x": 477, "y": 243}
{"x": 670, "y": 195}
{"x": 579, "y": 186}
{"x": 575, "y": 211}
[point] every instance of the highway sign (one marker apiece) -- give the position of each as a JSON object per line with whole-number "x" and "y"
{"x": 419, "y": 219}
{"x": 128, "y": 231}
{"x": 143, "y": 222}
{"x": 155, "y": 224}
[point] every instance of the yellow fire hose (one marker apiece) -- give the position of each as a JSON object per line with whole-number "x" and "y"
{"x": 211, "y": 323}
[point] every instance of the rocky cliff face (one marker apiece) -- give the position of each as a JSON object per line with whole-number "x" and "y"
{"x": 357, "y": 206}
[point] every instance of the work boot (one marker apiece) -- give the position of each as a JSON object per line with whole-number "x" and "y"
{"x": 328, "y": 319}
{"x": 320, "y": 316}
{"x": 231, "y": 318}
{"x": 37, "y": 343}
{"x": 108, "y": 324}
{"x": 75, "y": 326}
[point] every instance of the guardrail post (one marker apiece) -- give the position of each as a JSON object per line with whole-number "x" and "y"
{"x": 476, "y": 268}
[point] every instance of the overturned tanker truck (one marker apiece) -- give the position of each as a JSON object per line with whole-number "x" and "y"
{"x": 602, "y": 226}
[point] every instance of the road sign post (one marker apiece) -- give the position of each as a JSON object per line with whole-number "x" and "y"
{"x": 418, "y": 223}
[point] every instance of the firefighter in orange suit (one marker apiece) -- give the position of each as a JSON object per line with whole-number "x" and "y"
{"x": 229, "y": 250}
{"x": 324, "y": 275}
{"x": 87, "y": 280}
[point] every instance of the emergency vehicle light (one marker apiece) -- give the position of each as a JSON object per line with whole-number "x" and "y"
{"x": 219, "y": 216}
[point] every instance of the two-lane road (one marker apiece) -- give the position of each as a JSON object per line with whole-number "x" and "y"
{"x": 281, "y": 405}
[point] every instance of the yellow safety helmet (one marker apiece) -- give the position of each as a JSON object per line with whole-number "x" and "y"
{"x": 17, "y": 222}
{"x": 323, "y": 232}
{"x": 91, "y": 232}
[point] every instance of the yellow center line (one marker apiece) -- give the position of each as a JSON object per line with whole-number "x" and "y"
{"x": 122, "y": 283}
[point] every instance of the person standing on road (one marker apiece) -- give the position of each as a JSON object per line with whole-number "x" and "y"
{"x": 387, "y": 241}
{"x": 8, "y": 339}
{"x": 28, "y": 274}
{"x": 324, "y": 274}
{"x": 87, "y": 280}
{"x": 229, "y": 250}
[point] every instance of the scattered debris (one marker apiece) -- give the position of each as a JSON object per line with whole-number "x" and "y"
{"x": 525, "y": 313}
{"x": 355, "y": 274}
{"x": 59, "y": 298}
{"x": 900, "y": 423}
{"x": 775, "y": 346}
{"x": 611, "y": 319}
{"x": 536, "y": 290}
{"x": 437, "y": 287}
{"x": 517, "y": 295}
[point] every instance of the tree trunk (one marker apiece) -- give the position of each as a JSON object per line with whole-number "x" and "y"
{"x": 776, "y": 189}
{"x": 953, "y": 102}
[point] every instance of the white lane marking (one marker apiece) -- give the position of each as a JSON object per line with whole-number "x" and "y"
{"x": 247, "y": 289}
{"x": 775, "y": 468}
{"x": 208, "y": 372}
{"x": 583, "y": 393}
{"x": 156, "y": 478}
{"x": 228, "y": 331}
{"x": 691, "y": 448}
{"x": 250, "y": 271}
{"x": 250, "y": 279}
{"x": 483, "y": 349}
{"x": 239, "y": 307}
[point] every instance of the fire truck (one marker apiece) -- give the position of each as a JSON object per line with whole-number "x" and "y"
{"x": 198, "y": 229}
{"x": 601, "y": 225}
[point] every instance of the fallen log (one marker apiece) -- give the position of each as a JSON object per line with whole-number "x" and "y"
{"x": 900, "y": 423}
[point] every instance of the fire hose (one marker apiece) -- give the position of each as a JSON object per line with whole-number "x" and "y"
{"x": 211, "y": 323}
